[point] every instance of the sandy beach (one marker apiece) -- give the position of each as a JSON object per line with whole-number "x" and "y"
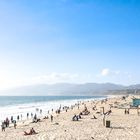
{"x": 122, "y": 126}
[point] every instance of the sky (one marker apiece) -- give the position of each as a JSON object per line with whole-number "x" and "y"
{"x": 73, "y": 41}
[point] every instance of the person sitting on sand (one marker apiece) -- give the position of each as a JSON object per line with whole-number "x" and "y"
{"x": 94, "y": 117}
{"x": 94, "y": 107}
{"x": 85, "y": 111}
{"x": 35, "y": 121}
{"x": 86, "y": 108}
{"x": 108, "y": 112}
{"x": 98, "y": 112}
{"x": 32, "y": 132}
{"x": 46, "y": 117}
{"x": 75, "y": 118}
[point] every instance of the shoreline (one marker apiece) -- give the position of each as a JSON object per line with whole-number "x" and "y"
{"x": 45, "y": 106}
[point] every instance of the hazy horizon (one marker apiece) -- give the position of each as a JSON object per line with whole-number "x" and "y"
{"x": 61, "y": 83}
{"x": 69, "y": 41}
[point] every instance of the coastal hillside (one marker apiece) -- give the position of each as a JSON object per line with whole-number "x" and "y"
{"x": 66, "y": 89}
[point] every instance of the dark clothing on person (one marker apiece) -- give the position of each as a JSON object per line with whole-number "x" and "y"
{"x": 75, "y": 118}
{"x": 51, "y": 118}
{"x": 3, "y": 126}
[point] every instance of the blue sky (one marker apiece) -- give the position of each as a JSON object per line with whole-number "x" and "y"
{"x": 76, "y": 41}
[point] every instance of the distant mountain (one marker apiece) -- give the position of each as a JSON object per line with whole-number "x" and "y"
{"x": 64, "y": 89}
{"x": 134, "y": 86}
{"x": 67, "y": 89}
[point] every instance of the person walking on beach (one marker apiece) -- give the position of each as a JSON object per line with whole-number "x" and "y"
{"x": 37, "y": 109}
{"x": 15, "y": 124}
{"x": 27, "y": 115}
{"x": 40, "y": 111}
{"x": 18, "y": 118}
{"x": 78, "y": 106}
{"x": 21, "y": 117}
{"x": 7, "y": 122}
{"x": 51, "y": 118}
{"x": 3, "y": 126}
{"x": 31, "y": 115}
{"x": 35, "y": 117}
{"x": 11, "y": 119}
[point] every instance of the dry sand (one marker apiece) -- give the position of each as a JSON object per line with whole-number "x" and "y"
{"x": 123, "y": 127}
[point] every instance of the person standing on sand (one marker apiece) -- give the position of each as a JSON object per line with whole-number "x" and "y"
{"x": 31, "y": 115}
{"x": 40, "y": 111}
{"x": 27, "y": 115}
{"x": 15, "y": 124}
{"x": 7, "y": 122}
{"x": 11, "y": 119}
{"x": 125, "y": 111}
{"x": 51, "y": 118}
{"x": 3, "y": 126}
{"x": 21, "y": 117}
{"x": 18, "y": 117}
{"x": 35, "y": 117}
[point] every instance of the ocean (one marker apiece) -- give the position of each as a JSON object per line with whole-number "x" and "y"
{"x": 17, "y": 105}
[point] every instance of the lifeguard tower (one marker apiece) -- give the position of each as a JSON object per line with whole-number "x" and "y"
{"x": 136, "y": 102}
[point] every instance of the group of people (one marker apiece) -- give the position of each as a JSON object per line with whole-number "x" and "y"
{"x": 35, "y": 119}
{"x": 3, "y": 125}
{"x": 6, "y": 123}
{"x": 76, "y": 117}
{"x": 85, "y": 111}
